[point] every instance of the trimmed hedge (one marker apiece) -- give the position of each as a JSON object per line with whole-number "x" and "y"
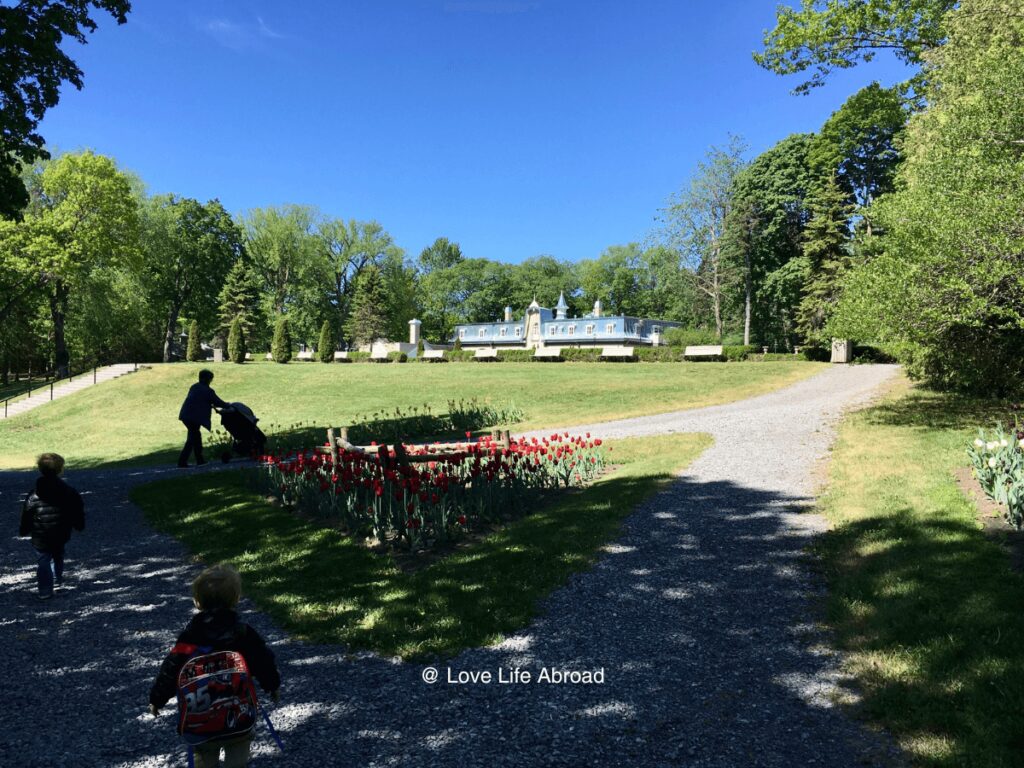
{"x": 459, "y": 355}
{"x": 515, "y": 355}
{"x": 816, "y": 354}
{"x": 659, "y": 354}
{"x": 735, "y": 354}
{"x": 398, "y": 357}
{"x": 582, "y": 354}
{"x": 359, "y": 357}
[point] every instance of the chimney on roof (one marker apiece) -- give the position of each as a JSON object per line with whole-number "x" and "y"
{"x": 508, "y": 314}
{"x": 597, "y": 308}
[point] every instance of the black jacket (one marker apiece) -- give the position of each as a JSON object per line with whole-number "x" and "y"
{"x": 50, "y": 512}
{"x": 198, "y": 403}
{"x": 218, "y": 630}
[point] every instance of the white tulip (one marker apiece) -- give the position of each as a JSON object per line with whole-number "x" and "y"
{"x": 1021, "y": 444}
{"x": 979, "y": 443}
{"x": 992, "y": 462}
{"x": 991, "y": 446}
{"x": 1003, "y": 443}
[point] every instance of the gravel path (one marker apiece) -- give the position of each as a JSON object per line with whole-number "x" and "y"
{"x": 700, "y": 616}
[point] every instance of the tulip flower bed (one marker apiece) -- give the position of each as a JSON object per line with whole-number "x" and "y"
{"x": 998, "y": 460}
{"x": 418, "y": 504}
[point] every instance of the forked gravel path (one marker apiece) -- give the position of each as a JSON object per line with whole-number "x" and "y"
{"x": 701, "y": 616}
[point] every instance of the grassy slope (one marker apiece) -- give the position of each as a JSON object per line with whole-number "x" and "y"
{"x": 327, "y": 588}
{"x": 923, "y": 603}
{"x": 135, "y": 418}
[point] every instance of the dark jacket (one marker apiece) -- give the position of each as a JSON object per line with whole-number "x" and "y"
{"x": 197, "y": 406}
{"x": 50, "y": 512}
{"x": 218, "y": 630}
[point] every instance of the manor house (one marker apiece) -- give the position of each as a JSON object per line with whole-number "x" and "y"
{"x": 542, "y": 327}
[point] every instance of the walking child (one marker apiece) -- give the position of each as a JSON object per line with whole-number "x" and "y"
{"x": 51, "y": 510}
{"x": 217, "y": 700}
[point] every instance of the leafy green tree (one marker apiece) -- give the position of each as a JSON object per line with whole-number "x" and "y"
{"x": 33, "y": 67}
{"x": 471, "y": 290}
{"x": 240, "y": 298}
{"x": 948, "y": 283}
{"x": 188, "y": 248}
{"x": 281, "y": 349}
{"x": 543, "y": 277}
{"x": 826, "y": 35}
{"x": 441, "y": 254}
{"x": 83, "y": 218}
{"x": 194, "y": 351}
{"x": 859, "y": 144}
{"x": 763, "y": 234}
{"x": 236, "y": 342}
{"x": 368, "y": 321}
{"x": 325, "y": 349}
{"x": 694, "y": 224}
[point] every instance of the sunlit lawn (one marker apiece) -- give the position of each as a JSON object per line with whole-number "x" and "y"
{"x": 327, "y": 588}
{"x": 134, "y": 419}
{"x": 926, "y": 607}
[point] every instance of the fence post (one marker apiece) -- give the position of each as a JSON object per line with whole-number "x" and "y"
{"x": 51, "y": 390}
{"x": 94, "y": 374}
{"x": 334, "y": 446}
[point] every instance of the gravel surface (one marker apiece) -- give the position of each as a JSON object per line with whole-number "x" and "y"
{"x": 700, "y": 616}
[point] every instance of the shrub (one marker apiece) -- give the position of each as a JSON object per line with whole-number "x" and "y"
{"x": 734, "y": 354}
{"x": 659, "y": 354}
{"x": 398, "y": 357}
{"x": 281, "y": 349}
{"x": 775, "y": 356}
{"x": 420, "y": 349}
{"x": 460, "y": 355}
{"x": 458, "y": 344}
{"x": 582, "y": 354}
{"x": 236, "y": 342}
{"x": 868, "y": 353}
{"x": 325, "y": 350}
{"x": 689, "y": 337}
{"x": 194, "y": 351}
{"x": 816, "y": 354}
{"x": 359, "y": 357}
{"x": 515, "y": 355}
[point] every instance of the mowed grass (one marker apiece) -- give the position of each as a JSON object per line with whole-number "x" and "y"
{"x": 324, "y": 587}
{"x": 133, "y": 420}
{"x": 925, "y": 606}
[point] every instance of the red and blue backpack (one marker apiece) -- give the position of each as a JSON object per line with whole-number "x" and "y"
{"x": 216, "y": 696}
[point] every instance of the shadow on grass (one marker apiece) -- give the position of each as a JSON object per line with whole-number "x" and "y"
{"x": 938, "y": 410}
{"x": 935, "y": 617}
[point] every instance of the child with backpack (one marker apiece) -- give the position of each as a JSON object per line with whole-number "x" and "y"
{"x": 211, "y": 668}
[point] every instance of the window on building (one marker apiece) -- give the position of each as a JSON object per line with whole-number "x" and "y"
{"x": 572, "y": 330}
{"x": 504, "y": 331}
{"x": 462, "y": 333}
{"x": 590, "y": 328}
{"x": 553, "y": 330}
{"x": 519, "y": 332}
{"x": 483, "y": 332}
{"x": 609, "y": 328}
{"x": 656, "y": 329}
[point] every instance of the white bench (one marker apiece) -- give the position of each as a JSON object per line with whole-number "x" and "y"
{"x": 709, "y": 350}
{"x": 248, "y": 355}
{"x": 433, "y": 354}
{"x": 487, "y": 353}
{"x": 629, "y": 352}
{"x": 270, "y": 356}
{"x": 548, "y": 353}
{"x": 341, "y": 355}
{"x": 379, "y": 356}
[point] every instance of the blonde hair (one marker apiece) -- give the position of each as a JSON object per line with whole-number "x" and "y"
{"x": 50, "y": 464}
{"x": 219, "y": 586}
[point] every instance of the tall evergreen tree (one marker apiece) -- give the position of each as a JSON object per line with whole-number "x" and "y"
{"x": 194, "y": 352}
{"x": 325, "y": 350}
{"x": 240, "y": 298}
{"x": 368, "y": 322}
{"x": 281, "y": 350}
{"x": 236, "y": 342}
{"x": 826, "y": 252}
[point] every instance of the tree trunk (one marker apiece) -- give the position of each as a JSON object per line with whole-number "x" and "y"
{"x": 748, "y": 289}
{"x": 172, "y": 325}
{"x": 58, "y": 314}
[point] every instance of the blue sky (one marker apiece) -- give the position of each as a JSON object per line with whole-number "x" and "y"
{"x": 514, "y": 127}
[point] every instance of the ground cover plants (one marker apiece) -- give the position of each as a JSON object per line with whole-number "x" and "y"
{"x": 388, "y": 496}
{"x": 327, "y": 587}
{"x": 924, "y": 605}
{"x": 133, "y": 421}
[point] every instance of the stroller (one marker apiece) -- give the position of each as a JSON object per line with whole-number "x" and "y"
{"x": 240, "y": 422}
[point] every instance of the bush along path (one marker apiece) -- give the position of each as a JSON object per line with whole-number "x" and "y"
{"x": 691, "y": 642}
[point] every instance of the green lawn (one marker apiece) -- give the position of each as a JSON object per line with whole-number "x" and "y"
{"x": 326, "y": 588}
{"x": 923, "y": 603}
{"x": 134, "y": 419}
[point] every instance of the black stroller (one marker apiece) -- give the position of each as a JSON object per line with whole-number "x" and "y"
{"x": 240, "y": 422}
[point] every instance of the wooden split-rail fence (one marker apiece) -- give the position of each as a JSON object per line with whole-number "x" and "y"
{"x": 337, "y": 441}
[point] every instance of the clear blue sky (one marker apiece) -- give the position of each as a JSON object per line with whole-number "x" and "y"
{"x": 515, "y": 127}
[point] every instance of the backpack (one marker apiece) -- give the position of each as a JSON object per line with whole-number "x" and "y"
{"x": 216, "y": 697}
